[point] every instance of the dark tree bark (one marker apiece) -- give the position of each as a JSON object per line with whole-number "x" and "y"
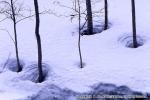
{"x": 41, "y": 77}
{"x": 79, "y": 39}
{"x": 89, "y": 17}
{"x": 15, "y": 34}
{"x": 106, "y": 15}
{"x": 135, "y": 44}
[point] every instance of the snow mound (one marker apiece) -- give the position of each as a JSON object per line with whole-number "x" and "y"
{"x": 108, "y": 90}
{"x": 52, "y": 92}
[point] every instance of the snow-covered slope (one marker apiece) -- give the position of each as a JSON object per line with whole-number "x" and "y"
{"x": 106, "y": 58}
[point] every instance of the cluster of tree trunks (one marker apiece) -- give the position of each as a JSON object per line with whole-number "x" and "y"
{"x": 89, "y": 30}
{"x": 90, "y": 19}
{"x": 12, "y": 12}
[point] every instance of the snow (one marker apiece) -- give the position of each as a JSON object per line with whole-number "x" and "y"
{"x": 106, "y": 58}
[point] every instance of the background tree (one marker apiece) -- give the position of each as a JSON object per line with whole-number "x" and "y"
{"x": 106, "y": 14}
{"x": 135, "y": 44}
{"x": 12, "y": 11}
{"x": 15, "y": 34}
{"x": 89, "y": 17}
{"x": 41, "y": 77}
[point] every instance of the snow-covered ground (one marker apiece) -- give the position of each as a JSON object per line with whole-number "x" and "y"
{"x": 106, "y": 58}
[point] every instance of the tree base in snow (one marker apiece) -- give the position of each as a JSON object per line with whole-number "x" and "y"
{"x": 96, "y": 29}
{"x": 11, "y": 64}
{"x": 31, "y": 72}
{"x": 127, "y": 41}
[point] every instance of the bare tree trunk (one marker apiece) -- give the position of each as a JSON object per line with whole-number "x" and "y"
{"x": 106, "y": 14}
{"x": 41, "y": 77}
{"x": 135, "y": 45}
{"x": 75, "y": 5}
{"x": 89, "y": 17}
{"x": 79, "y": 39}
{"x": 15, "y": 33}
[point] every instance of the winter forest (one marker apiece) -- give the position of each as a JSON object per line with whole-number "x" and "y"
{"x": 74, "y": 50}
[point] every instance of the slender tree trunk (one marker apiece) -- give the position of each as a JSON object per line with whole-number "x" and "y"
{"x": 41, "y": 77}
{"x": 106, "y": 14}
{"x": 135, "y": 45}
{"x": 15, "y": 33}
{"x": 75, "y": 4}
{"x": 79, "y": 39}
{"x": 89, "y": 17}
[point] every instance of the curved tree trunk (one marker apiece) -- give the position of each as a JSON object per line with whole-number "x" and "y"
{"x": 135, "y": 44}
{"x": 15, "y": 33}
{"x": 89, "y": 17}
{"x": 79, "y": 39}
{"x": 41, "y": 77}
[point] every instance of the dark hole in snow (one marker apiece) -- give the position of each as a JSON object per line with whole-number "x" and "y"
{"x": 96, "y": 29}
{"x": 79, "y": 65}
{"x": 31, "y": 72}
{"x": 127, "y": 41}
{"x": 11, "y": 64}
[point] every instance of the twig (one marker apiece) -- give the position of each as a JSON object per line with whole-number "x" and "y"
{"x": 8, "y": 34}
{"x": 6, "y": 62}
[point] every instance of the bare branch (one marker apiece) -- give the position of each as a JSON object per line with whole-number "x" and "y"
{"x": 6, "y": 61}
{"x": 3, "y": 19}
{"x": 26, "y": 17}
{"x": 8, "y": 34}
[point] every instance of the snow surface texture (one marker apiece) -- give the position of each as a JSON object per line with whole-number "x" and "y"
{"x": 107, "y": 59}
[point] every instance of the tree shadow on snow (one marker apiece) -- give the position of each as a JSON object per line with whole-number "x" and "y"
{"x": 101, "y": 91}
